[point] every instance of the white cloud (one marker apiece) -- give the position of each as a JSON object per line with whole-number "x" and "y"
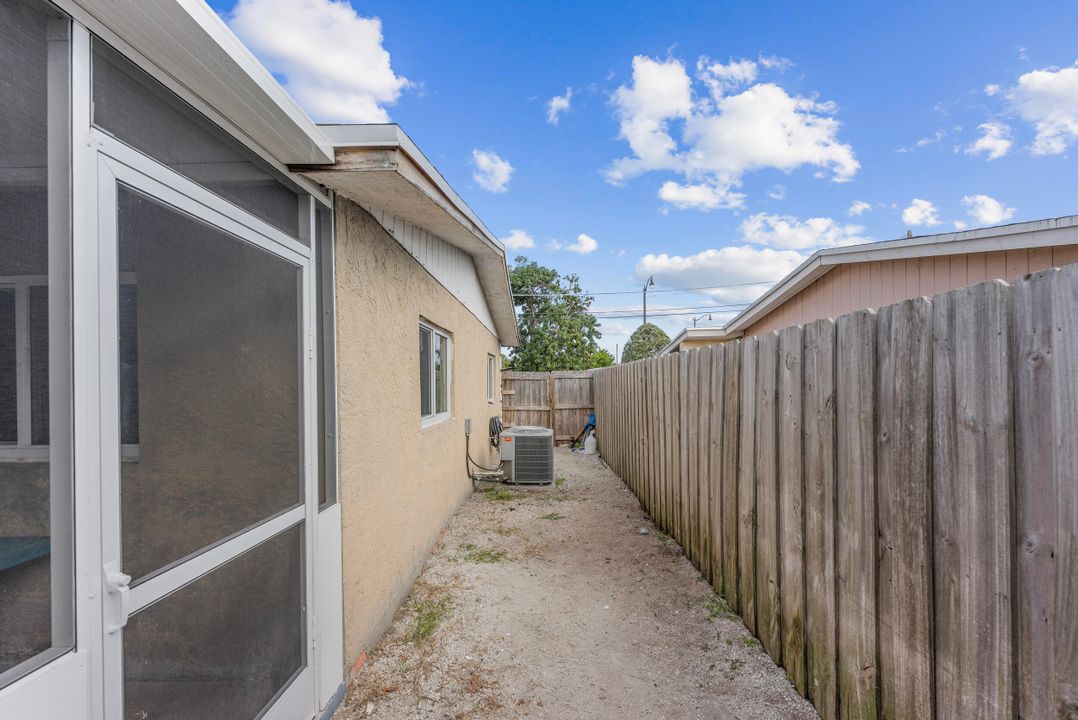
{"x": 721, "y": 79}
{"x": 733, "y": 265}
{"x": 995, "y": 140}
{"x": 518, "y": 240}
{"x": 558, "y": 105}
{"x": 859, "y": 208}
{"x": 661, "y": 91}
{"x": 1048, "y": 99}
{"x": 584, "y": 244}
{"x": 331, "y": 58}
{"x": 920, "y": 212}
{"x": 777, "y": 192}
{"x": 991, "y": 89}
{"x": 722, "y": 136}
{"x": 774, "y": 62}
{"x": 930, "y": 140}
{"x": 790, "y": 233}
{"x": 491, "y": 171}
{"x": 960, "y": 224}
{"x": 700, "y": 196}
{"x": 986, "y": 210}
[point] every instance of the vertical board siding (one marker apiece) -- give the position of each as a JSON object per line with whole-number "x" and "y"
{"x": 889, "y": 500}
{"x": 903, "y": 407}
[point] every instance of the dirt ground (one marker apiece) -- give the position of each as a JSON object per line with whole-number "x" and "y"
{"x": 565, "y": 602}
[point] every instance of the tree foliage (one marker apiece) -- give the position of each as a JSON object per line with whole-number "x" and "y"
{"x": 556, "y": 331}
{"x": 645, "y": 342}
{"x": 601, "y": 358}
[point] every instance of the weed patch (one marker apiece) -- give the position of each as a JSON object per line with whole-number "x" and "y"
{"x": 717, "y": 606}
{"x": 500, "y": 494}
{"x": 552, "y": 516}
{"x": 474, "y": 553}
{"x": 429, "y": 614}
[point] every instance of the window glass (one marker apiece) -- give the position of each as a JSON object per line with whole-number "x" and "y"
{"x": 441, "y": 370}
{"x": 490, "y": 378}
{"x": 210, "y": 358}
{"x": 36, "y": 573}
{"x": 424, "y": 371}
{"x": 137, "y": 109}
{"x": 224, "y": 645}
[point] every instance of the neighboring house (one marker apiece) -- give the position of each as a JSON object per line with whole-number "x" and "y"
{"x": 237, "y": 354}
{"x": 836, "y": 281}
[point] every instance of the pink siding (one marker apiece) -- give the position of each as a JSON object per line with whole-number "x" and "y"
{"x": 859, "y": 285}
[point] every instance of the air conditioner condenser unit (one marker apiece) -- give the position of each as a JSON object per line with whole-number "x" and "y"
{"x": 528, "y": 455}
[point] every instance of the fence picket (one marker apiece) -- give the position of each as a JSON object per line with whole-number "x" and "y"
{"x": 731, "y": 441}
{"x": 746, "y": 488}
{"x": 972, "y": 485}
{"x": 855, "y": 517}
{"x": 768, "y": 619}
{"x": 903, "y": 407}
{"x": 791, "y": 507}
{"x": 821, "y": 653}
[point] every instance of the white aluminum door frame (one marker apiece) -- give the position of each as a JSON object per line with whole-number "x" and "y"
{"x": 116, "y": 163}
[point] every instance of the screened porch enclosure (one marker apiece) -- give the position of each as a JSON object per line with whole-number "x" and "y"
{"x": 181, "y": 350}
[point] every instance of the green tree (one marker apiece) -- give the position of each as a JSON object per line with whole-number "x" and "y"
{"x": 556, "y": 330}
{"x": 601, "y": 358}
{"x": 645, "y": 342}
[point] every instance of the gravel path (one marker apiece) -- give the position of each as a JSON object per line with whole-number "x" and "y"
{"x": 565, "y": 602}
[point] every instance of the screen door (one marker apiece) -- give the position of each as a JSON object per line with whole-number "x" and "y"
{"x": 206, "y": 485}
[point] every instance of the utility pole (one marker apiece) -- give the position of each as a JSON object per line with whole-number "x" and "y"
{"x": 649, "y": 283}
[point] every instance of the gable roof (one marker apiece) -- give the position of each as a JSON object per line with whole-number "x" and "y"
{"x": 1032, "y": 234}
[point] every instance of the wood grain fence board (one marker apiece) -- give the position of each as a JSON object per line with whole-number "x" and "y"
{"x": 1036, "y": 511}
{"x": 791, "y": 506}
{"x": 904, "y": 492}
{"x": 972, "y": 486}
{"x": 731, "y": 422}
{"x": 1060, "y": 521}
{"x": 673, "y": 461}
{"x": 746, "y": 487}
{"x": 667, "y": 450}
{"x": 856, "y": 517}
{"x": 684, "y": 390}
{"x": 691, "y": 400}
{"x": 819, "y": 466}
{"x": 714, "y": 486}
{"x": 703, "y": 456}
{"x": 768, "y": 619}
{"x": 649, "y": 437}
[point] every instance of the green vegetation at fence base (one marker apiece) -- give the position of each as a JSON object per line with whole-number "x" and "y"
{"x": 474, "y": 553}
{"x": 552, "y": 516}
{"x": 717, "y": 606}
{"x": 429, "y": 614}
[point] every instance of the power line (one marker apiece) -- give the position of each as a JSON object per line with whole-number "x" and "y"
{"x": 635, "y": 292}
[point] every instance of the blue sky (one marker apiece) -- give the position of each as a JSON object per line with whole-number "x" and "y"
{"x": 742, "y": 137}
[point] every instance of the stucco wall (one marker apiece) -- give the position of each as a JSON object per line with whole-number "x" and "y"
{"x": 399, "y": 483}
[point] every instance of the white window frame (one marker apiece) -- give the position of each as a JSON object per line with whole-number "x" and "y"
{"x": 492, "y": 373}
{"x": 435, "y": 417}
{"x": 24, "y": 450}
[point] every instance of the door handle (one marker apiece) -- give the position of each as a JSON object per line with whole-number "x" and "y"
{"x": 118, "y": 584}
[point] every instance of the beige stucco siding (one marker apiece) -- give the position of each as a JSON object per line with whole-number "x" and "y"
{"x": 874, "y": 284}
{"x": 399, "y": 482}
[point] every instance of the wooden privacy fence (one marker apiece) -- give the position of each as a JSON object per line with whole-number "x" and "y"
{"x": 561, "y": 400}
{"x": 889, "y": 500}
